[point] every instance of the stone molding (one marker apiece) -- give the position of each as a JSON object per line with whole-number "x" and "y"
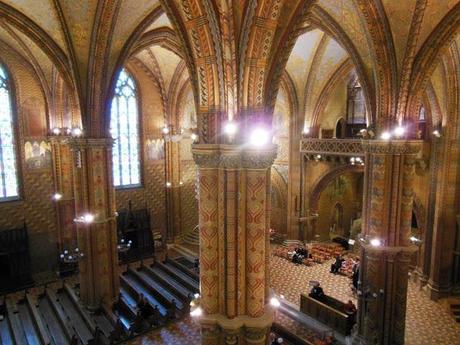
{"x": 227, "y": 325}
{"x": 392, "y": 147}
{"x": 85, "y": 143}
{"x": 233, "y": 156}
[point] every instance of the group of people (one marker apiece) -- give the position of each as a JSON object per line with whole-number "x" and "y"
{"x": 337, "y": 264}
{"x": 299, "y": 254}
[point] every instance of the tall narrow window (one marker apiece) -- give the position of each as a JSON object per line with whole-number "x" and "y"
{"x": 8, "y": 169}
{"x": 124, "y": 127}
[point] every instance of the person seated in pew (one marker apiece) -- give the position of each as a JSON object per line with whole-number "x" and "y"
{"x": 317, "y": 292}
{"x": 335, "y": 267}
{"x": 350, "y": 309}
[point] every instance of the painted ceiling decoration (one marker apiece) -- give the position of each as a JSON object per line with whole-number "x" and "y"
{"x": 235, "y": 58}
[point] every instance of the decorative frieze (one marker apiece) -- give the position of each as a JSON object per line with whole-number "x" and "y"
{"x": 233, "y": 157}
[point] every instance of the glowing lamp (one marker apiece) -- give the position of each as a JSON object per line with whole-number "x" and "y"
{"x": 197, "y": 312}
{"x": 57, "y": 196}
{"x": 77, "y": 131}
{"x": 385, "y": 136}
{"x": 230, "y": 128}
{"x": 274, "y": 302}
{"x": 56, "y": 131}
{"x": 399, "y": 131}
{"x": 375, "y": 242}
{"x": 165, "y": 130}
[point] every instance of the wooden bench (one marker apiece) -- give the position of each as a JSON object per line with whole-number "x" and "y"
{"x": 32, "y": 305}
{"x": 330, "y": 311}
{"x": 177, "y": 274}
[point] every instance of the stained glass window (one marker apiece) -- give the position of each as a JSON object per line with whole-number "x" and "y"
{"x": 8, "y": 168}
{"x": 124, "y": 127}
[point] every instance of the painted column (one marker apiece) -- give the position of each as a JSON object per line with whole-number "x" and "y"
{"x": 172, "y": 172}
{"x": 97, "y": 238}
{"x": 234, "y": 185}
{"x": 387, "y": 213}
{"x": 444, "y": 223}
{"x": 65, "y": 204}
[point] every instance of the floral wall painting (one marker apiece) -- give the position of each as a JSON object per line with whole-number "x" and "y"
{"x": 37, "y": 155}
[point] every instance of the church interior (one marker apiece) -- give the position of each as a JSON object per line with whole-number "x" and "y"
{"x": 229, "y": 172}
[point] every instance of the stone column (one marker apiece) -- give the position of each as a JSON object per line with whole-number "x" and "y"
{"x": 444, "y": 219}
{"x": 387, "y": 212}
{"x": 63, "y": 179}
{"x": 234, "y": 221}
{"x": 172, "y": 177}
{"x": 97, "y": 239}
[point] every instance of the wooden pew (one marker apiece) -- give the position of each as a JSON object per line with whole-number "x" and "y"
{"x": 288, "y": 336}
{"x": 39, "y": 324}
{"x": 51, "y": 322}
{"x": 31, "y": 332}
{"x": 160, "y": 293}
{"x": 15, "y": 323}
{"x": 177, "y": 274}
{"x": 169, "y": 282}
{"x": 59, "y": 313}
{"x": 6, "y": 336}
{"x": 184, "y": 269}
{"x": 329, "y": 311}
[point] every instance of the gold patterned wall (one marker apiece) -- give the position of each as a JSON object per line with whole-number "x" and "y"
{"x": 35, "y": 206}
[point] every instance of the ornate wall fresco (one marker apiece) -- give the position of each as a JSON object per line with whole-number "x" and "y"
{"x": 37, "y": 155}
{"x": 339, "y": 204}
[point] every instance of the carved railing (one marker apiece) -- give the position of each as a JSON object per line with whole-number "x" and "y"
{"x": 331, "y": 149}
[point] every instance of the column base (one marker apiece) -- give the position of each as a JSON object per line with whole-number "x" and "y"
{"x": 436, "y": 292}
{"x": 217, "y": 329}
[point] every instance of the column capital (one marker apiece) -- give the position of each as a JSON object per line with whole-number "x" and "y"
{"x": 233, "y": 156}
{"x": 85, "y": 143}
{"x": 394, "y": 147}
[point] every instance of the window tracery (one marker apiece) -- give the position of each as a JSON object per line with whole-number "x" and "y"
{"x": 124, "y": 128}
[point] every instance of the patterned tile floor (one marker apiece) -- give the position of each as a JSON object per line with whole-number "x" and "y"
{"x": 427, "y": 322}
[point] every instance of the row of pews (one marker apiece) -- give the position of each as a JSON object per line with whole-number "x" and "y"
{"x": 53, "y": 314}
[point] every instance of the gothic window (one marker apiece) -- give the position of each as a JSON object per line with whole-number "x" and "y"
{"x": 124, "y": 127}
{"x": 356, "y": 107}
{"x": 8, "y": 169}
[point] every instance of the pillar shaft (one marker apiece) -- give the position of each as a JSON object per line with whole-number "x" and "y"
{"x": 94, "y": 194}
{"x": 172, "y": 172}
{"x": 65, "y": 207}
{"x": 387, "y": 212}
{"x": 234, "y": 189}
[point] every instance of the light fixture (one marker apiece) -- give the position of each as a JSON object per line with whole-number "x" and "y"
{"x": 437, "y": 133}
{"x": 181, "y": 183}
{"x": 193, "y": 136}
{"x": 56, "y": 131}
{"x": 87, "y": 218}
{"x": 375, "y": 242}
{"x": 168, "y": 184}
{"x": 415, "y": 240}
{"x": 259, "y": 137}
{"x": 197, "y": 312}
{"x": 57, "y": 196}
{"x": 306, "y": 131}
{"x": 124, "y": 246}
{"x": 385, "y": 136}
{"x": 165, "y": 130}
{"x": 77, "y": 131}
{"x": 399, "y": 131}
{"x": 230, "y": 128}
{"x": 71, "y": 257}
{"x": 274, "y": 302}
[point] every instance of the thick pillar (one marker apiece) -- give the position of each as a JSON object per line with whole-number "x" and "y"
{"x": 97, "y": 238}
{"x": 444, "y": 220}
{"x": 65, "y": 202}
{"x": 387, "y": 212}
{"x": 172, "y": 195}
{"x": 234, "y": 190}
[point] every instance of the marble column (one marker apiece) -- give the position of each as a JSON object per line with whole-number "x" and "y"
{"x": 97, "y": 238}
{"x": 234, "y": 194}
{"x": 387, "y": 213}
